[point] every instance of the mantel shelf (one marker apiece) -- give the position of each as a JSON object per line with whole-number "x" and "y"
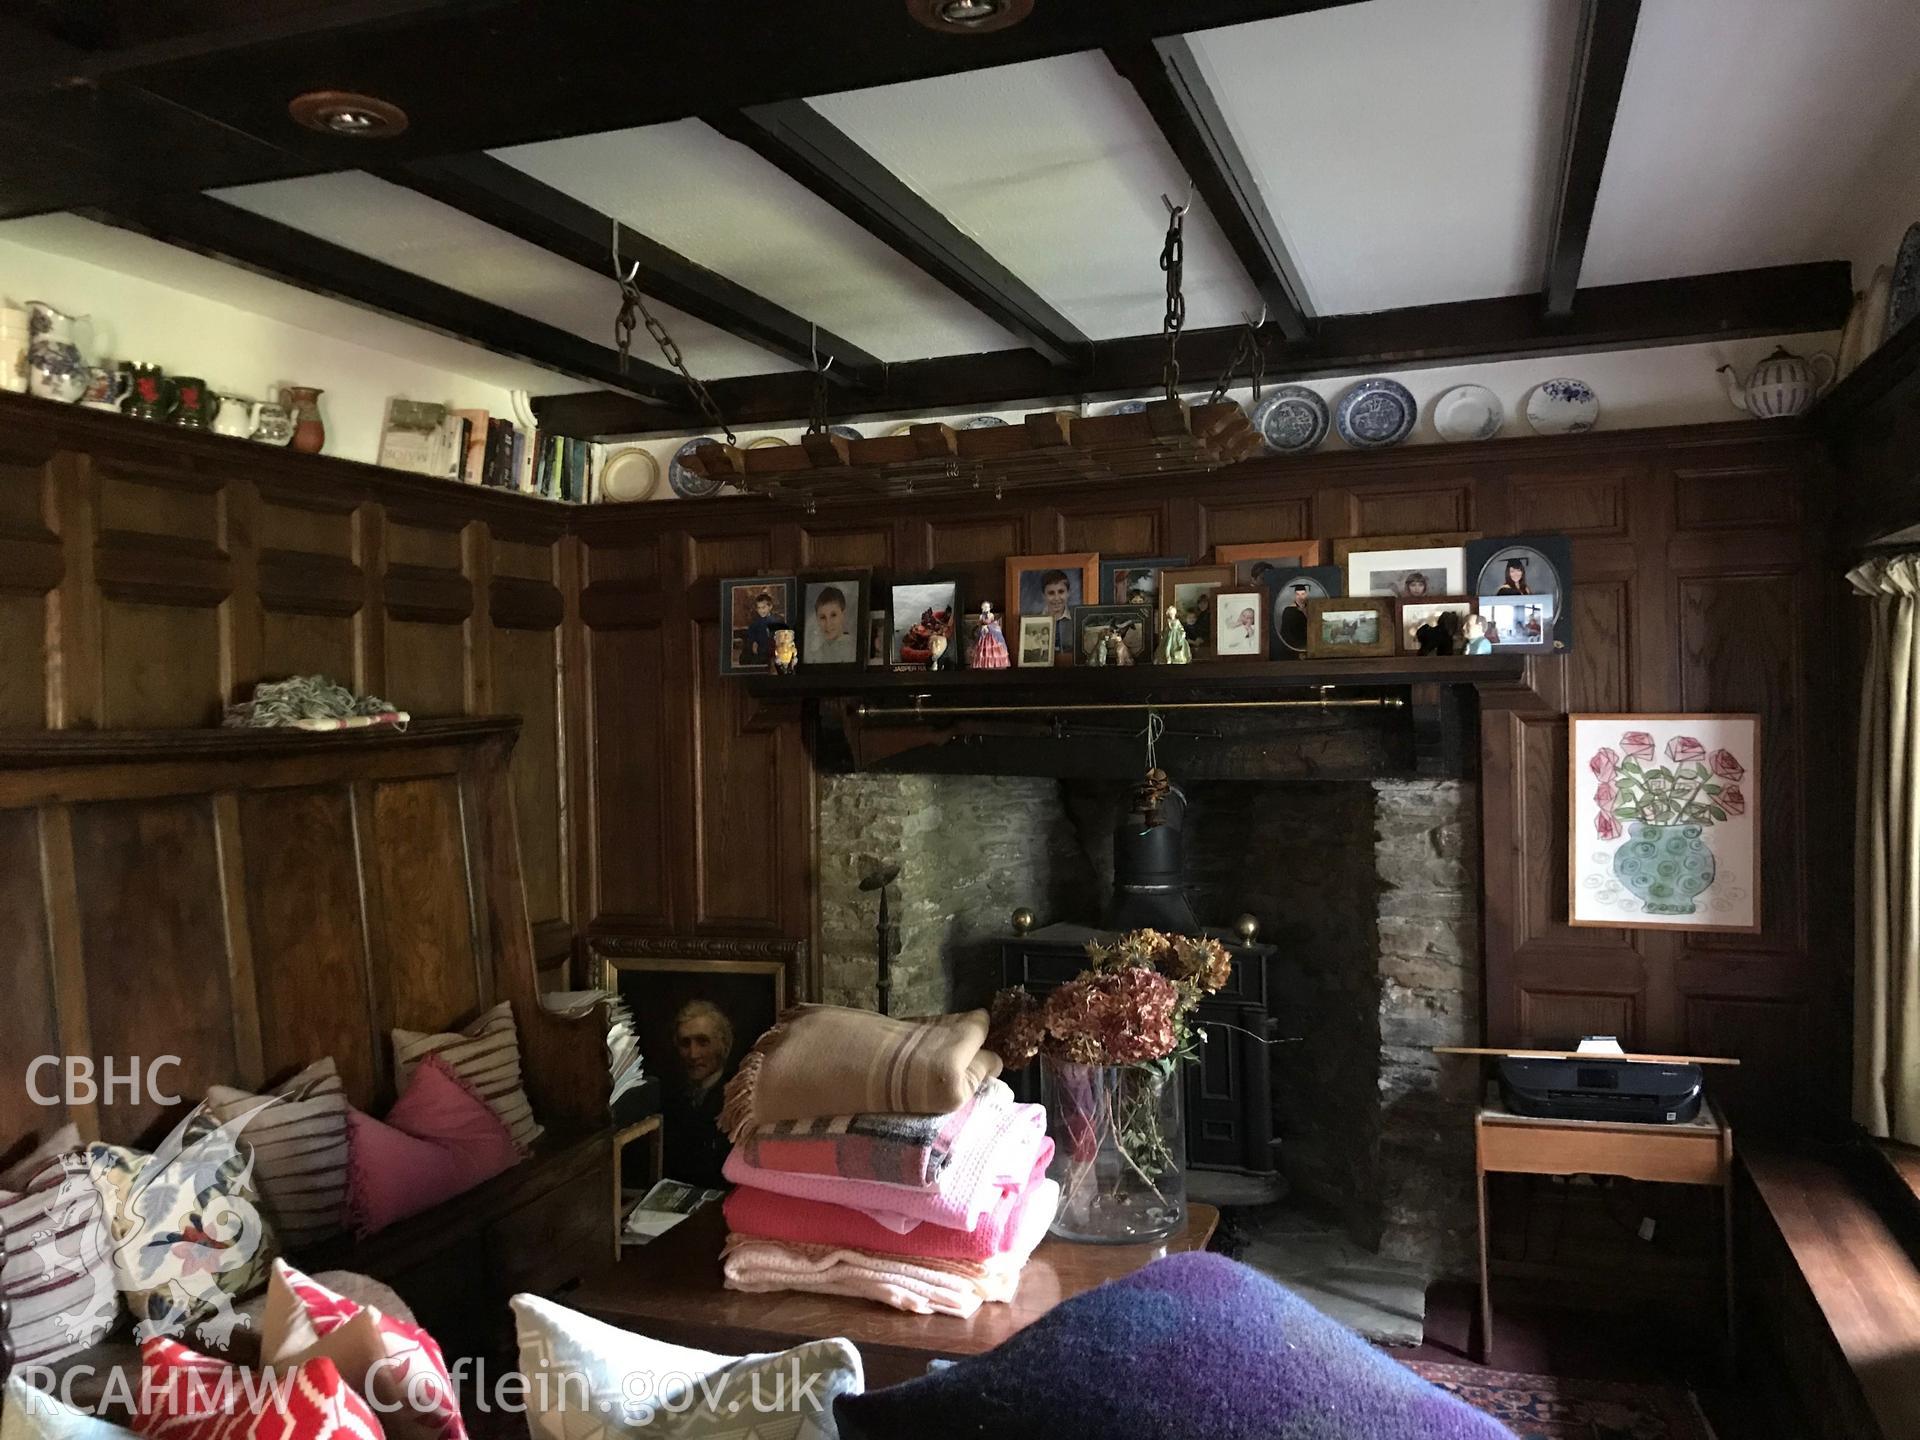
{"x": 1142, "y": 682}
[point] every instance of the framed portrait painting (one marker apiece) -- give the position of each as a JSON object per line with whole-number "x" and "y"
{"x": 1051, "y": 585}
{"x": 829, "y": 622}
{"x": 1665, "y": 815}
{"x": 752, "y": 610}
{"x": 695, "y": 1021}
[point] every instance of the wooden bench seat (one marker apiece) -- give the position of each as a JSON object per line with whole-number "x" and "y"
{"x": 1842, "y": 1294}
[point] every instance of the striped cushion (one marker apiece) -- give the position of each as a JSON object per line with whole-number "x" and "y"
{"x": 486, "y": 1055}
{"x": 58, "y": 1275}
{"x": 299, "y": 1151}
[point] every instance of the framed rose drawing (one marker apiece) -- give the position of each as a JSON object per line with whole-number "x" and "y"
{"x": 1666, "y": 821}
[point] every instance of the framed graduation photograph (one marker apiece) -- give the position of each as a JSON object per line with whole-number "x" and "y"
{"x": 1135, "y": 581}
{"x": 752, "y": 610}
{"x": 1524, "y": 584}
{"x": 1253, "y": 564}
{"x": 1287, "y": 595}
{"x": 830, "y": 632}
{"x": 1051, "y": 585}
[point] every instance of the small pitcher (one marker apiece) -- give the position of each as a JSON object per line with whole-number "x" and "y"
{"x": 55, "y": 370}
{"x": 14, "y": 340}
{"x": 272, "y": 425}
{"x": 235, "y": 415}
{"x": 309, "y": 432}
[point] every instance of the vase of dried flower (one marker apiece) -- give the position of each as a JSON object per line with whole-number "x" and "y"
{"x": 1117, "y": 1149}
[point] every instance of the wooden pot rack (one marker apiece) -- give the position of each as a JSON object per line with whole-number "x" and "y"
{"x": 1052, "y": 448}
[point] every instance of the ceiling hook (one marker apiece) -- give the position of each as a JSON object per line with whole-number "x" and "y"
{"x": 1183, "y": 206}
{"x": 632, "y": 271}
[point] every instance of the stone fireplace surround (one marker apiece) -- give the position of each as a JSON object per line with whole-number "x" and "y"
{"x": 1369, "y": 887}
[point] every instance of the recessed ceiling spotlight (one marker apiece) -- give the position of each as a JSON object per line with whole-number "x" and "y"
{"x": 353, "y": 117}
{"x": 969, "y": 17}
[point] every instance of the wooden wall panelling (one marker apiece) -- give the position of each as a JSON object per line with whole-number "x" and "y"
{"x": 429, "y": 601}
{"x": 311, "y": 587}
{"x": 27, "y": 993}
{"x": 434, "y": 967}
{"x": 974, "y": 547}
{"x": 1102, "y": 526}
{"x": 31, "y": 569}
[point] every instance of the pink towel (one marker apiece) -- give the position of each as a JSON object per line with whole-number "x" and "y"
{"x": 888, "y": 1146}
{"x": 1014, "y": 1228}
{"x": 919, "y": 1287}
{"x": 995, "y": 1154}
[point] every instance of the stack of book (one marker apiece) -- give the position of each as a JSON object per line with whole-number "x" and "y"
{"x": 481, "y": 449}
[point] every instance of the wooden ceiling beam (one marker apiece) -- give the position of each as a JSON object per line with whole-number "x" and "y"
{"x": 509, "y": 199}
{"x": 226, "y": 232}
{"x": 1601, "y": 52}
{"x": 819, "y": 155}
{"x": 1783, "y": 299}
{"x": 1166, "y": 74}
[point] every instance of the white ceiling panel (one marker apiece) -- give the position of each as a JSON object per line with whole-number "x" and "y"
{"x": 423, "y": 237}
{"x": 1057, "y": 169}
{"x": 716, "y": 202}
{"x": 1743, "y": 130}
{"x": 1407, "y": 147}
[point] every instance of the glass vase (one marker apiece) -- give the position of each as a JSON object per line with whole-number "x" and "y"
{"x": 1118, "y": 1150}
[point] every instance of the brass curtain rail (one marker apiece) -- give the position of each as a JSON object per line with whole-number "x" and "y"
{"x": 1324, "y": 702}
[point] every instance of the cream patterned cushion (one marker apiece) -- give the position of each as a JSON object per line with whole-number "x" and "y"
{"x": 299, "y": 1144}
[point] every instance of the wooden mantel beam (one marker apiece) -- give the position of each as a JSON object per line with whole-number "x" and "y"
{"x": 1601, "y": 52}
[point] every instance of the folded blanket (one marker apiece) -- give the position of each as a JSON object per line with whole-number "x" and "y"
{"x": 919, "y": 1287}
{"x": 892, "y": 1148}
{"x": 1013, "y": 1229}
{"x": 830, "y": 1060}
{"x": 995, "y": 1156}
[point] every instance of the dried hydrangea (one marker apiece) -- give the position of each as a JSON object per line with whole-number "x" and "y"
{"x": 1016, "y": 1026}
{"x": 1114, "y": 1017}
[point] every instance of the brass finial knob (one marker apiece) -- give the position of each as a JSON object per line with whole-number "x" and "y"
{"x": 1022, "y": 920}
{"x": 1246, "y": 927}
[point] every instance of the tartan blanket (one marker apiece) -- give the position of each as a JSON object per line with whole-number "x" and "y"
{"x": 885, "y": 1146}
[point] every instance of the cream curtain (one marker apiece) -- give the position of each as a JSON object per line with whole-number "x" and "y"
{"x": 1886, "y": 1004}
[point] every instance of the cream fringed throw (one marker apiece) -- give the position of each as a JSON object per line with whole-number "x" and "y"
{"x": 828, "y": 1060}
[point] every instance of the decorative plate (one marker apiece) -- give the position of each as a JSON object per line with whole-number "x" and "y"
{"x": 630, "y": 475}
{"x": 847, "y": 430}
{"x": 1292, "y": 420}
{"x": 690, "y": 484}
{"x": 980, "y": 422}
{"x": 1125, "y": 407}
{"x": 765, "y": 442}
{"x": 1904, "y": 303}
{"x": 1562, "y": 407}
{"x": 1469, "y": 412}
{"x": 906, "y": 429}
{"x": 1376, "y": 413}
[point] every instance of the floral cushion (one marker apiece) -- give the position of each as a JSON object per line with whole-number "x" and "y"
{"x": 185, "y": 1232}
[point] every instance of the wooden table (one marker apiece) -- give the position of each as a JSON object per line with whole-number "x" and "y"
{"x": 1699, "y": 1152}
{"x": 670, "y": 1289}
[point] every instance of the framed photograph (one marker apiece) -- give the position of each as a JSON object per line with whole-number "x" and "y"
{"x": 1253, "y": 564}
{"x": 1435, "y": 627}
{"x": 879, "y": 633}
{"x": 830, "y": 609}
{"x": 1135, "y": 581}
{"x": 695, "y": 1020}
{"x": 752, "y": 611}
{"x": 1525, "y": 568}
{"x": 1240, "y": 624}
{"x": 1665, "y": 816}
{"x": 1287, "y": 595}
{"x": 1341, "y": 628}
{"x": 1416, "y": 574}
{"x": 1092, "y": 624}
{"x": 1436, "y": 540}
{"x": 920, "y": 608}
{"x": 1051, "y": 585}
{"x": 1190, "y": 590}
{"x": 1036, "y": 641}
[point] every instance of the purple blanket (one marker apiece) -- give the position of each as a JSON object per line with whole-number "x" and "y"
{"x": 1193, "y": 1347}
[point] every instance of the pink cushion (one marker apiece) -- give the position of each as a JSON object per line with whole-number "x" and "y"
{"x": 439, "y": 1140}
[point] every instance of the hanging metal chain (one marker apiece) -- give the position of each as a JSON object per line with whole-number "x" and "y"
{"x": 1251, "y": 352}
{"x": 632, "y": 305}
{"x": 1172, "y": 260}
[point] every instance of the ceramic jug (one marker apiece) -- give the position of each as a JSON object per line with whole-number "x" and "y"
{"x": 55, "y": 370}
{"x": 236, "y": 415}
{"x": 106, "y": 388}
{"x": 309, "y": 433}
{"x": 272, "y": 425}
{"x": 194, "y": 403}
{"x": 151, "y": 396}
{"x": 14, "y": 339}
{"x": 1782, "y": 384}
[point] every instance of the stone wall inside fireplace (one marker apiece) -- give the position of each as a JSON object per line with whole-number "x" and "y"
{"x": 1369, "y": 888}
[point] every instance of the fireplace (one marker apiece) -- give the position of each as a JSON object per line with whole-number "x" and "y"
{"x": 1366, "y": 895}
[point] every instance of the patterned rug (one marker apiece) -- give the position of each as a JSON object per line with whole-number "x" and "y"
{"x": 1544, "y": 1407}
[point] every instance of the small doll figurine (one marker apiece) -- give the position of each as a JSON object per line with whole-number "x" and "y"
{"x": 1174, "y": 649}
{"x": 990, "y": 644}
{"x": 939, "y": 659}
{"x": 1477, "y": 641}
{"x": 786, "y": 659}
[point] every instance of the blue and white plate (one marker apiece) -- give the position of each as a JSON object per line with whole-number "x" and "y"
{"x": 1468, "y": 412}
{"x": 1292, "y": 420}
{"x": 1562, "y": 406}
{"x": 980, "y": 422}
{"x": 846, "y": 430}
{"x": 1376, "y": 413}
{"x": 1125, "y": 407}
{"x": 1904, "y": 303}
{"x": 690, "y": 484}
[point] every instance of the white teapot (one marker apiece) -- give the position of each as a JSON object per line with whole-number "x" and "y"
{"x": 1782, "y": 384}
{"x": 235, "y": 416}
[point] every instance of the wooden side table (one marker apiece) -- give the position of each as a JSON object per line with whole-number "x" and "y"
{"x": 1699, "y": 1152}
{"x": 626, "y": 1135}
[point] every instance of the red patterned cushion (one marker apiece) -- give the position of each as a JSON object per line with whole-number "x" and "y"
{"x": 393, "y": 1362}
{"x": 185, "y": 1395}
